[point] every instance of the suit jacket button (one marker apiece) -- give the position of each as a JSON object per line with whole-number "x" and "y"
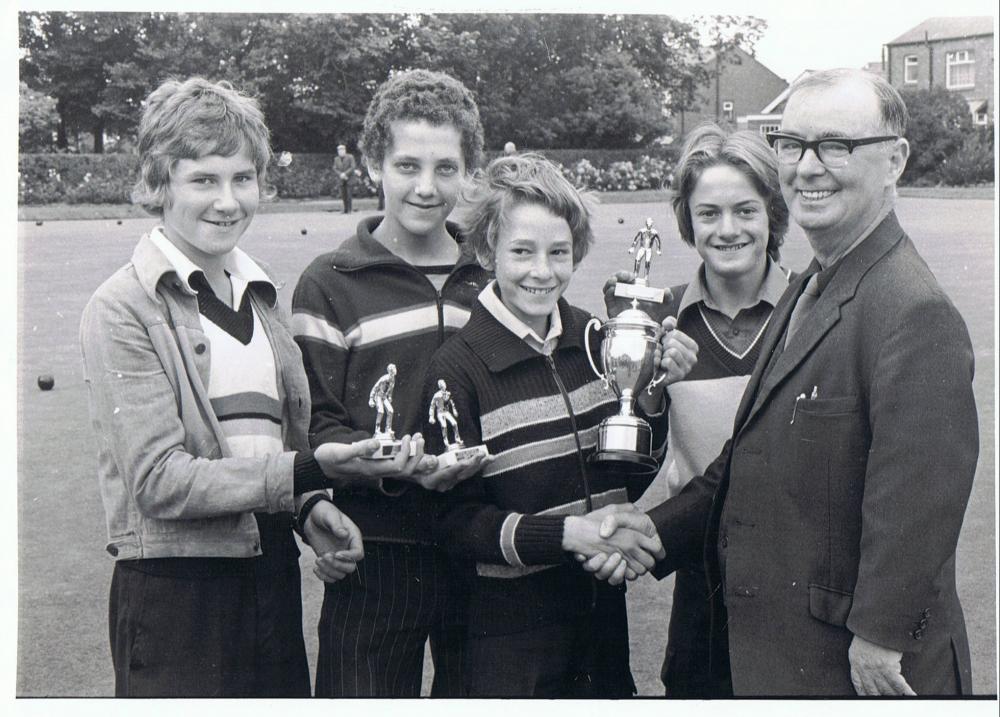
{"x": 199, "y": 349}
{"x": 725, "y": 541}
{"x": 918, "y": 634}
{"x": 923, "y": 622}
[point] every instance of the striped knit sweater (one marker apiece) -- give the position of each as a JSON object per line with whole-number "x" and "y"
{"x": 355, "y": 310}
{"x": 509, "y": 520}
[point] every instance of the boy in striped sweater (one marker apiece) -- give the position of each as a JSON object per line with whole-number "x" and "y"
{"x": 391, "y": 294}
{"x": 519, "y": 375}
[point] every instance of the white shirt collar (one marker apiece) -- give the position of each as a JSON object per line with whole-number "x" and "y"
{"x": 241, "y": 268}
{"x": 492, "y": 303}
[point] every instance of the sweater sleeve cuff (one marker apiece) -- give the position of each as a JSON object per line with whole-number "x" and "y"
{"x": 307, "y": 475}
{"x": 533, "y": 539}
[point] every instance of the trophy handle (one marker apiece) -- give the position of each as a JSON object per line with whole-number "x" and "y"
{"x": 594, "y": 321}
{"x": 657, "y": 380}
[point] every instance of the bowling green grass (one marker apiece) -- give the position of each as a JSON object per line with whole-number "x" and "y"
{"x": 64, "y": 573}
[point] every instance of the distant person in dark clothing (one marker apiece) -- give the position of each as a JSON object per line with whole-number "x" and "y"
{"x": 343, "y": 166}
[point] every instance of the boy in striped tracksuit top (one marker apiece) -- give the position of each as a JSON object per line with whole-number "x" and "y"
{"x": 521, "y": 381}
{"x": 391, "y": 294}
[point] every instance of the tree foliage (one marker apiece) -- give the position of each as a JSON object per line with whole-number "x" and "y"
{"x": 37, "y": 120}
{"x": 541, "y": 80}
{"x": 938, "y": 125}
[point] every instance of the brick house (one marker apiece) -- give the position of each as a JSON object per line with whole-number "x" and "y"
{"x": 740, "y": 86}
{"x": 951, "y": 52}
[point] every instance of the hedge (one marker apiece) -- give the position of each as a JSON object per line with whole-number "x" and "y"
{"x": 108, "y": 178}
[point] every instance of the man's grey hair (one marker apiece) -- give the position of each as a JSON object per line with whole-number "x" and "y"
{"x": 892, "y": 109}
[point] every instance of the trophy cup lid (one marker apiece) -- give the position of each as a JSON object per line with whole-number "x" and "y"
{"x": 634, "y": 316}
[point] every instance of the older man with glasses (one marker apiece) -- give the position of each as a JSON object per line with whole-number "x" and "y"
{"x": 830, "y": 521}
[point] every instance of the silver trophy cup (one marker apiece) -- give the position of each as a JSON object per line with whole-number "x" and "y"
{"x": 627, "y": 349}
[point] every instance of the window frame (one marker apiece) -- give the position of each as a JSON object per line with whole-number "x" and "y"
{"x": 911, "y": 62}
{"x": 952, "y": 60}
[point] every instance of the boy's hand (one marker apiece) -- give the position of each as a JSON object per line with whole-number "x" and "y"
{"x": 607, "y": 565}
{"x": 675, "y": 356}
{"x": 444, "y": 479}
{"x": 336, "y": 541}
{"x": 346, "y": 460}
{"x": 617, "y": 304}
{"x": 640, "y": 550}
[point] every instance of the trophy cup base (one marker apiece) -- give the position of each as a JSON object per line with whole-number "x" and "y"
{"x": 625, "y": 441}
{"x": 628, "y": 462}
{"x": 388, "y": 448}
{"x": 453, "y": 456}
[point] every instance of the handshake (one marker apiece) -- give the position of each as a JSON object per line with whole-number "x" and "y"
{"x": 615, "y": 543}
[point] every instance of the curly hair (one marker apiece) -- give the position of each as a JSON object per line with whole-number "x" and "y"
{"x": 522, "y": 179}
{"x": 710, "y": 145}
{"x": 190, "y": 120}
{"x": 434, "y": 97}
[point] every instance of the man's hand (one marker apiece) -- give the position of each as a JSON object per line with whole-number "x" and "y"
{"x": 875, "y": 670}
{"x": 336, "y": 541}
{"x": 604, "y": 565}
{"x": 432, "y": 477}
{"x": 640, "y": 549}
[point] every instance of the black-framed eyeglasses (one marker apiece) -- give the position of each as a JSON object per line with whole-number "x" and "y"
{"x": 831, "y": 151}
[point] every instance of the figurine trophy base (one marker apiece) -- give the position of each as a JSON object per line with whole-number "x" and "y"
{"x": 459, "y": 452}
{"x": 388, "y": 447}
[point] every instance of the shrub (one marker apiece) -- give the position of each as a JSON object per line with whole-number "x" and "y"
{"x": 972, "y": 163}
{"x": 108, "y": 178}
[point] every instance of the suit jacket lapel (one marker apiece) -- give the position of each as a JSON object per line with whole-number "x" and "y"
{"x": 825, "y": 314}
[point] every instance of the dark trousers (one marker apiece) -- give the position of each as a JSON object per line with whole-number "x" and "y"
{"x": 374, "y": 624}
{"x": 208, "y": 627}
{"x": 689, "y": 672}
{"x": 583, "y": 656}
{"x": 345, "y": 195}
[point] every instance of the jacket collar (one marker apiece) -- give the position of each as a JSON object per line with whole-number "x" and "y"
{"x": 838, "y": 284}
{"x": 363, "y": 250}
{"x": 152, "y": 265}
{"x": 499, "y": 348}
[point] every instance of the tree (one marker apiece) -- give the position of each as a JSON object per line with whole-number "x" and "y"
{"x": 938, "y": 125}
{"x": 65, "y": 55}
{"x": 37, "y": 120}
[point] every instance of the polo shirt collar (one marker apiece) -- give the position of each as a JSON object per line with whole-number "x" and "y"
{"x": 770, "y": 291}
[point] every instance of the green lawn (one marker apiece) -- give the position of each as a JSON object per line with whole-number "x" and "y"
{"x": 64, "y": 572}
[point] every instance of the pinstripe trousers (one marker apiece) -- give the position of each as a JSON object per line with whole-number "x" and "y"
{"x": 374, "y": 624}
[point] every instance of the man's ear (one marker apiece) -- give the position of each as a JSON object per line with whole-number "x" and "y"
{"x": 373, "y": 172}
{"x": 897, "y": 160}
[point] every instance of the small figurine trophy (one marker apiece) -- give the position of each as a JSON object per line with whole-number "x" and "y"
{"x": 627, "y": 351}
{"x": 444, "y": 413}
{"x": 380, "y": 399}
{"x": 642, "y": 247}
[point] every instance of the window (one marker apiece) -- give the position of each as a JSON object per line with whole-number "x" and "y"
{"x": 727, "y": 110}
{"x": 765, "y": 128}
{"x": 960, "y": 69}
{"x": 910, "y": 67}
{"x": 981, "y": 117}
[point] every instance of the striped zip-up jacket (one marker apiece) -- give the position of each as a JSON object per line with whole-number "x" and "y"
{"x": 530, "y": 410}
{"x": 355, "y": 310}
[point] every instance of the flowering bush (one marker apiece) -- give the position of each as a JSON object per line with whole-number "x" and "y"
{"x": 646, "y": 173}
